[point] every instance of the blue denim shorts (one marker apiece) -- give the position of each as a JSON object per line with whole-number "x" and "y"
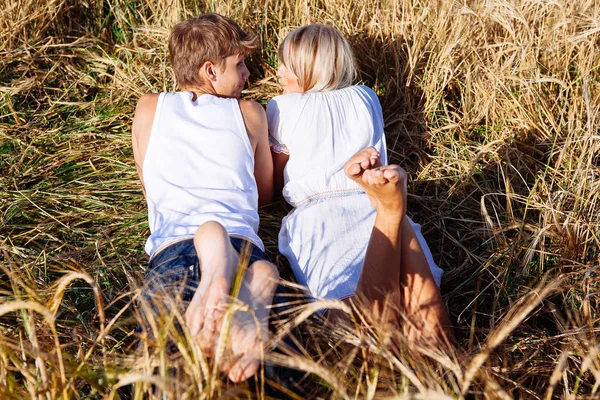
{"x": 173, "y": 274}
{"x": 171, "y": 280}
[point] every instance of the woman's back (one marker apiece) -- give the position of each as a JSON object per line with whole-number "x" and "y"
{"x": 326, "y": 236}
{"x": 321, "y": 131}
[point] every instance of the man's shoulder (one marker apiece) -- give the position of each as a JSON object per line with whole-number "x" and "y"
{"x": 146, "y": 105}
{"x": 251, "y": 106}
{"x": 147, "y": 101}
{"x": 144, "y": 113}
{"x": 252, "y": 111}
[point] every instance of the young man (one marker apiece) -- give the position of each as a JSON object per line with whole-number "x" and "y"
{"x": 204, "y": 161}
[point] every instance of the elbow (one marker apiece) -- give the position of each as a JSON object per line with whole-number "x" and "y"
{"x": 265, "y": 201}
{"x": 265, "y": 197}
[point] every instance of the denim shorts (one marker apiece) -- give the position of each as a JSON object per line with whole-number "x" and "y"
{"x": 173, "y": 274}
{"x": 171, "y": 280}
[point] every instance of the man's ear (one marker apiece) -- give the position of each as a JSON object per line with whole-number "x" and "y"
{"x": 208, "y": 71}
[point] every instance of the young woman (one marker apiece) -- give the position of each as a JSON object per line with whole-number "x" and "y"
{"x": 316, "y": 126}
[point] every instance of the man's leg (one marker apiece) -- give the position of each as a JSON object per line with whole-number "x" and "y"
{"x": 218, "y": 262}
{"x": 249, "y": 328}
{"x": 171, "y": 276}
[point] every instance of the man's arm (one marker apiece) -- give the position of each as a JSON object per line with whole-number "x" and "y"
{"x": 140, "y": 131}
{"x": 256, "y": 125}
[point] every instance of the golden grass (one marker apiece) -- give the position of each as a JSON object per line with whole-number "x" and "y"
{"x": 493, "y": 107}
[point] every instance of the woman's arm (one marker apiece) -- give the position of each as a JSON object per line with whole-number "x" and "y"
{"x": 279, "y": 162}
{"x": 279, "y": 150}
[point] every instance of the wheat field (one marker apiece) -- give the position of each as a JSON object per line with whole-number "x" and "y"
{"x": 491, "y": 106}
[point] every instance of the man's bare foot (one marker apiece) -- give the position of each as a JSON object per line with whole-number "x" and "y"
{"x": 205, "y": 313}
{"x": 248, "y": 331}
{"x": 385, "y": 185}
{"x": 218, "y": 261}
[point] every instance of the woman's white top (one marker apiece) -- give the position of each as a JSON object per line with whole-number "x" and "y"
{"x": 320, "y": 131}
{"x": 199, "y": 167}
{"x": 326, "y": 236}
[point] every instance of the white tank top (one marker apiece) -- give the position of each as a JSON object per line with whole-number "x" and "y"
{"x": 199, "y": 167}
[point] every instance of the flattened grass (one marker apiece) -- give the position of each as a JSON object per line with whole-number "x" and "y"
{"x": 492, "y": 107}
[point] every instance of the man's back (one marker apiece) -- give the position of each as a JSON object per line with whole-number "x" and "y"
{"x": 199, "y": 167}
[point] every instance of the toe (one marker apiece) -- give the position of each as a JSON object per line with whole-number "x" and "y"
{"x": 394, "y": 173}
{"x": 226, "y": 364}
{"x": 353, "y": 170}
{"x": 375, "y": 160}
{"x": 194, "y": 322}
{"x": 243, "y": 369}
{"x": 209, "y": 334}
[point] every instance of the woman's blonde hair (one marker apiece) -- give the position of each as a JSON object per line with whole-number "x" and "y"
{"x": 319, "y": 56}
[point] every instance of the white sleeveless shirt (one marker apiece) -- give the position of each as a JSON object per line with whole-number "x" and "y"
{"x": 199, "y": 167}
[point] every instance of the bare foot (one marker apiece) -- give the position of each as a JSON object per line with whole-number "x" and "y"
{"x": 367, "y": 158}
{"x": 385, "y": 185}
{"x": 218, "y": 263}
{"x": 249, "y": 331}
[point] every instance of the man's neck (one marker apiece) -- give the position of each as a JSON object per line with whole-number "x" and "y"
{"x": 200, "y": 90}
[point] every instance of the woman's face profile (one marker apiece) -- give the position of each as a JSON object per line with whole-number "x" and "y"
{"x": 288, "y": 80}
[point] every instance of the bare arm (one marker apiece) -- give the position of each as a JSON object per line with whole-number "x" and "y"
{"x": 279, "y": 162}
{"x": 140, "y": 131}
{"x": 256, "y": 125}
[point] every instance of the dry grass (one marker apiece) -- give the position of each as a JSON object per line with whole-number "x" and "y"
{"x": 493, "y": 107}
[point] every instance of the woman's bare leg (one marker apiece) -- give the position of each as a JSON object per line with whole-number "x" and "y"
{"x": 422, "y": 302}
{"x": 395, "y": 268}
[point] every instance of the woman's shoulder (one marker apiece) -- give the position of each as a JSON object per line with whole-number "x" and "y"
{"x": 287, "y": 103}
{"x": 286, "y": 99}
{"x": 362, "y": 92}
{"x": 283, "y": 105}
{"x": 367, "y": 92}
